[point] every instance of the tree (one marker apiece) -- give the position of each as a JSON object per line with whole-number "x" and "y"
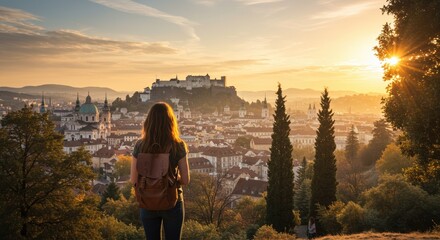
{"x": 382, "y": 136}
{"x": 352, "y": 177}
{"x": 207, "y": 198}
{"x": 324, "y": 173}
{"x": 393, "y": 161}
{"x": 243, "y": 141}
{"x": 111, "y": 192}
{"x": 352, "y": 218}
{"x": 123, "y": 209}
{"x": 280, "y": 189}
{"x": 301, "y": 198}
{"x": 44, "y": 191}
{"x": 122, "y": 166}
{"x": 399, "y": 206}
{"x": 413, "y": 92}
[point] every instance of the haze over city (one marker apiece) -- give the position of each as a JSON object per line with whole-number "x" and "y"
{"x": 126, "y": 45}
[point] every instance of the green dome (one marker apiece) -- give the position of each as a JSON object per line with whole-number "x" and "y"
{"x": 88, "y": 108}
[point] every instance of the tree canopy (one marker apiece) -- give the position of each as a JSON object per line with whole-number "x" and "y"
{"x": 44, "y": 191}
{"x": 414, "y": 91}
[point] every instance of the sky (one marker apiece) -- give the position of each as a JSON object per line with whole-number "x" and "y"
{"x": 127, "y": 44}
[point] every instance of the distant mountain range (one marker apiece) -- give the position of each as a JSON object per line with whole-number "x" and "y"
{"x": 57, "y": 91}
{"x": 294, "y": 93}
{"x": 342, "y": 101}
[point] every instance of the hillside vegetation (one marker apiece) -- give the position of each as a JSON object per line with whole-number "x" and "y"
{"x": 386, "y": 235}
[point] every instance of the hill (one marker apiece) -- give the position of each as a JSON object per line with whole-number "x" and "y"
{"x": 14, "y": 100}
{"x": 66, "y": 92}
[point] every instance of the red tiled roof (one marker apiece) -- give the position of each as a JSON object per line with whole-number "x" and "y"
{"x": 236, "y": 171}
{"x": 262, "y": 141}
{"x": 250, "y": 187}
{"x": 105, "y": 152}
{"x": 199, "y": 163}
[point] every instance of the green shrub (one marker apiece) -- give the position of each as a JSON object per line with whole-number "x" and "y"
{"x": 193, "y": 230}
{"x": 352, "y": 218}
{"x": 327, "y": 218}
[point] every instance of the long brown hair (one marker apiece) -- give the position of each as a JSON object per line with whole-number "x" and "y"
{"x": 160, "y": 131}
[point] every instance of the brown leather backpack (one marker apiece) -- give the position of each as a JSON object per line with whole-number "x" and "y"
{"x": 156, "y": 188}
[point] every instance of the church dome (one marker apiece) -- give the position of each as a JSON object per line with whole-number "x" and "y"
{"x": 88, "y": 107}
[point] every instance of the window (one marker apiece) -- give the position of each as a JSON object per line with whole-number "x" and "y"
{"x": 93, "y": 118}
{"x": 87, "y": 118}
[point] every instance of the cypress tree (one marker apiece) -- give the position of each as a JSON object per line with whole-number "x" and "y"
{"x": 280, "y": 190}
{"x": 324, "y": 174}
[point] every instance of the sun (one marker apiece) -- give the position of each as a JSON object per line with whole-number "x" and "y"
{"x": 392, "y": 61}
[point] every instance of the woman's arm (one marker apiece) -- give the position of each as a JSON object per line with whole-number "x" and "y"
{"x": 184, "y": 170}
{"x": 133, "y": 173}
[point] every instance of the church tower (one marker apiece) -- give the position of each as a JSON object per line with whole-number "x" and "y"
{"x": 242, "y": 111}
{"x": 265, "y": 109}
{"x": 105, "y": 119}
{"x": 42, "y": 106}
{"x": 106, "y": 115}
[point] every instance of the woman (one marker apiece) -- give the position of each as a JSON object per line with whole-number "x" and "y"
{"x": 160, "y": 134}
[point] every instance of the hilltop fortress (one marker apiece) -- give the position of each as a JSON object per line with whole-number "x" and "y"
{"x": 174, "y": 87}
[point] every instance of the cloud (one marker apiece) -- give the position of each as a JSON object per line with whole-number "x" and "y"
{"x": 22, "y": 40}
{"x": 255, "y": 2}
{"x": 14, "y": 20}
{"x": 130, "y": 6}
{"x": 345, "y": 11}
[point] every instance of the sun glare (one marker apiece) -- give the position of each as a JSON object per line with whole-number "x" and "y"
{"x": 392, "y": 61}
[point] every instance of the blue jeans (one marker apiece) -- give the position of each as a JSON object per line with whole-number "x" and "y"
{"x": 172, "y": 222}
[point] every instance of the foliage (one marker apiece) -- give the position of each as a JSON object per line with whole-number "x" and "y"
{"x": 243, "y": 141}
{"x": 233, "y": 226}
{"x": 113, "y": 229}
{"x": 127, "y": 190}
{"x": 324, "y": 173}
{"x": 194, "y": 230}
{"x": 125, "y": 210}
{"x": 122, "y": 166}
{"x": 352, "y": 218}
{"x": 111, "y": 192}
{"x": 44, "y": 191}
{"x": 300, "y": 152}
{"x": 267, "y": 232}
{"x": 328, "y": 218}
{"x": 384, "y": 235}
{"x": 393, "y": 161}
{"x": 279, "y": 198}
{"x": 302, "y": 200}
{"x": 414, "y": 91}
{"x": 382, "y": 136}
{"x": 350, "y": 168}
{"x": 401, "y": 206}
{"x": 206, "y": 199}
{"x": 427, "y": 176}
{"x": 251, "y": 211}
